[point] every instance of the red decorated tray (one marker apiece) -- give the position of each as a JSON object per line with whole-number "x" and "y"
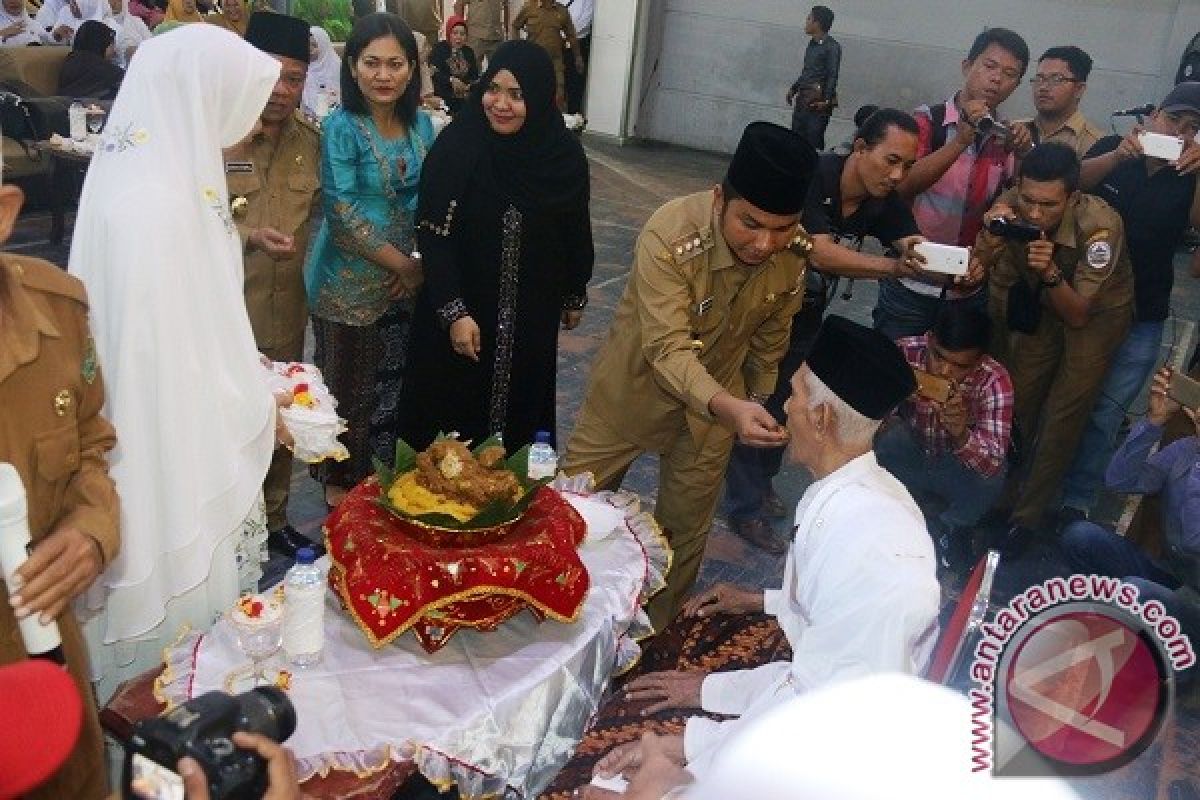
{"x": 393, "y": 574}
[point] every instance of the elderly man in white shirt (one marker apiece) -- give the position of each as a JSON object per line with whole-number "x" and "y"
{"x": 859, "y": 591}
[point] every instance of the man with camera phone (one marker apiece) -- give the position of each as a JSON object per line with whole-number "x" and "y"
{"x": 1061, "y": 305}
{"x": 964, "y": 159}
{"x": 949, "y": 441}
{"x": 1157, "y": 200}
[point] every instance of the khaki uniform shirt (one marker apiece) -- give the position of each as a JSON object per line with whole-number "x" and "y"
{"x": 1089, "y": 251}
{"x": 275, "y": 185}
{"x": 1077, "y": 133}
{"x": 51, "y": 430}
{"x": 546, "y": 26}
{"x": 422, "y": 16}
{"x": 692, "y": 322}
{"x": 486, "y": 20}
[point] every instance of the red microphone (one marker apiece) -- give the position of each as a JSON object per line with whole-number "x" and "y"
{"x": 42, "y": 715}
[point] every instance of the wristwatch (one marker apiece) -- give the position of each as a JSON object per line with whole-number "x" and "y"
{"x": 1052, "y": 279}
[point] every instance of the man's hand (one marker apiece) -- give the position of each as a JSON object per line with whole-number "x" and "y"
{"x": 464, "y": 338}
{"x": 63, "y": 33}
{"x": 625, "y": 759}
{"x": 571, "y": 319}
{"x": 659, "y": 769}
{"x": 953, "y": 414}
{"x": 752, "y": 423}
{"x": 61, "y": 567}
{"x": 724, "y": 598}
{"x": 272, "y": 242}
{"x": 976, "y": 274}
{"x": 1020, "y": 140}
{"x": 1131, "y": 146}
{"x": 1161, "y": 407}
{"x": 281, "y": 769}
{"x": 1040, "y": 256}
{"x": 1189, "y": 162}
{"x": 965, "y": 130}
{"x": 666, "y": 690}
{"x": 283, "y": 436}
{"x": 910, "y": 263}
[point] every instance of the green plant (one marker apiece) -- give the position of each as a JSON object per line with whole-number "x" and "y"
{"x": 335, "y": 16}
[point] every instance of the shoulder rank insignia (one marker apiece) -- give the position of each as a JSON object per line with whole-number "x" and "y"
{"x": 690, "y": 245}
{"x": 89, "y": 366}
{"x": 802, "y": 243}
{"x": 1099, "y": 250}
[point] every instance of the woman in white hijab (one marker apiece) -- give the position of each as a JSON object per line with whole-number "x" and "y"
{"x": 185, "y": 385}
{"x": 76, "y": 12}
{"x": 131, "y": 31}
{"x": 324, "y": 75}
{"x": 17, "y": 28}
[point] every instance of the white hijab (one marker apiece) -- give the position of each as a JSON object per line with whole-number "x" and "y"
{"x": 30, "y": 35}
{"x": 185, "y": 386}
{"x": 325, "y": 70}
{"x": 88, "y": 9}
{"x": 131, "y": 31}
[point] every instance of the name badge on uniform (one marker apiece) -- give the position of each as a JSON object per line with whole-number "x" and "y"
{"x": 704, "y": 305}
{"x": 232, "y": 167}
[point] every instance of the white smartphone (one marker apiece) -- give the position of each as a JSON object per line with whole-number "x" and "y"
{"x": 1158, "y": 145}
{"x": 945, "y": 258}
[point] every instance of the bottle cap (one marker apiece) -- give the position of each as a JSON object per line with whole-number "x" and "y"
{"x": 306, "y": 555}
{"x": 542, "y": 437}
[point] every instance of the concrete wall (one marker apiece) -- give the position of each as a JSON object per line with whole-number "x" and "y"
{"x": 711, "y": 66}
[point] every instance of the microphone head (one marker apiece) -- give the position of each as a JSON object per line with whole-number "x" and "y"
{"x": 42, "y": 714}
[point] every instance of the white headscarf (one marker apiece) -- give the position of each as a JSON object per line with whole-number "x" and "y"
{"x": 29, "y": 36}
{"x": 131, "y": 31}
{"x": 88, "y": 9}
{"x": 325, "y": 70}
{"x": 185, "y": 385}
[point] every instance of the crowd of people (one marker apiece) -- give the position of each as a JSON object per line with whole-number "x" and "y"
{"x": 442, "y": 268}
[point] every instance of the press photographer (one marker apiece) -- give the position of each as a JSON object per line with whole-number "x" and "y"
{"x": 1060, "y": 305}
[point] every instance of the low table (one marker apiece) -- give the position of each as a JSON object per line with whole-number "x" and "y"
{"x": 490, "y": 713}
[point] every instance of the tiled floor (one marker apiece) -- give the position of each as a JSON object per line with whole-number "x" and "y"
{"x": 628, "y": 183}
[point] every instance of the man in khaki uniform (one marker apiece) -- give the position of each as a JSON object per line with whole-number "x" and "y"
{"x": 51, "y": 431}
{"x": 487, "y": 25}
{"x": 1081, "y": 273}
{"x": 1058, "y": 87}
{"x": 423, "y": 16}
{"x": 274, "y": 181}
{"x": 548, "y": 24}
{"x": 696, "y": 342}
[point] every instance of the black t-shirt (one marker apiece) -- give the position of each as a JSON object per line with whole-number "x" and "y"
{"x": 886, "y": 218}
{"x": 1156, "y": 210}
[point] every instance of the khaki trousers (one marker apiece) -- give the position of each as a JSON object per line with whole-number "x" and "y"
{"x": 278, "y": 483}
{"x": 1057, "y": 372}
{"x": 689, "y": 486}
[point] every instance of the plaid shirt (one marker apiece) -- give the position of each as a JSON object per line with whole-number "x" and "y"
{"x": 988, "y": 394}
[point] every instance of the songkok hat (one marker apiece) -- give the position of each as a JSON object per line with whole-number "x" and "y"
{"x": 772, "y": 168}
{"x": 861, "y": 366}
{"x": 279, "y": 34}
{"x": 1184, "y": 97}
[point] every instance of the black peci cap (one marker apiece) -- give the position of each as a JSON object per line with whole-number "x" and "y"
{"x": 279, "y": 35}
{"x": 861, "y": 366}
{"x": 772, "y": 168}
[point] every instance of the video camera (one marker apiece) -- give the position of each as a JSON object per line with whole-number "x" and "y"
{"x": 203, "y": 728}
{"x": 1014, "y": 229}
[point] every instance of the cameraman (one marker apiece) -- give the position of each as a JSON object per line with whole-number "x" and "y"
{"x": 1060, "y": 307}
{"x": 281, "y": 769}
{"x": 954, "y": 447}
{"x": 1157, "y": 202}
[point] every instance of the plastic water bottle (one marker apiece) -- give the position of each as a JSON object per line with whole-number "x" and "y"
{"x": 41, "y": 641}
{"x": 304, "y": 610}
{"x": 77, "y": 118}
{"x": 543, "y": 461}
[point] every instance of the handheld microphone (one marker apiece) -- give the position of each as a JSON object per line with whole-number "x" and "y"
{"x": 1136, "y": 111}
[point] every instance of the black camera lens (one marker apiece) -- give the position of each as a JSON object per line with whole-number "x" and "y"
{"x": 985, "y": 123}
{"x": 269, "y": 711}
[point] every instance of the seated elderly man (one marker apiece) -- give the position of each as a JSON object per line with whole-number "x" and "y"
{"x": 949, "y": 442}
{"x": 859, "y": 592}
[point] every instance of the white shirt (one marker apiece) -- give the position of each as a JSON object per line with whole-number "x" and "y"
{"x": 860, "y": 596}
{"x": 582, "y": 12}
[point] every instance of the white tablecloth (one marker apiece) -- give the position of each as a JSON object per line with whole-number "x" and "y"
{"x": 489, "y": 712}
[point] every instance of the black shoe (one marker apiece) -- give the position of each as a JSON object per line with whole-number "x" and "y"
{"x": 288, "y": 541}
{"x": 760, "y": 534}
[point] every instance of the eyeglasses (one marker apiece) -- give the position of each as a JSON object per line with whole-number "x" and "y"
{"x": 1051, "y": 80}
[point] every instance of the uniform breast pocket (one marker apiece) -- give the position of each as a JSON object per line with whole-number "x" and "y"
{"x": 57, "y": 454}
{"x": 302, "y": 191}
{"x": 708, "y": 322}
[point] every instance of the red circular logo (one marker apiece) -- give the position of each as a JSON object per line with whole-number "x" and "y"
{"x": 1086, "y": 689}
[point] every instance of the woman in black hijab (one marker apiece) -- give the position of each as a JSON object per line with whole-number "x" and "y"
{"x": 87, "y": 71}
{"x": 505, "y": 234}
